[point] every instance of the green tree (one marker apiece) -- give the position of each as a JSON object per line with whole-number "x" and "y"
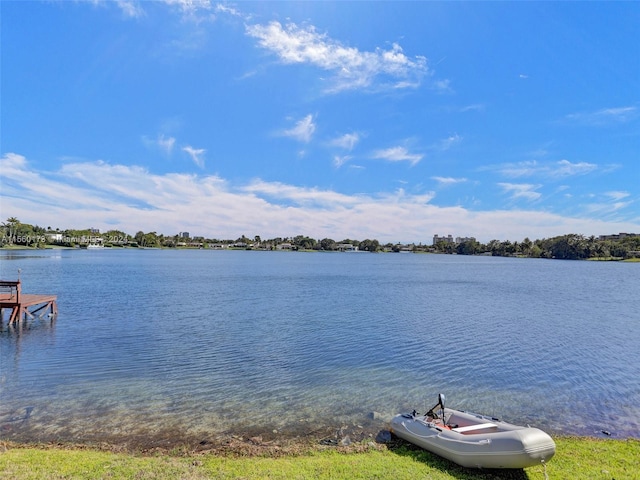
{"x": 535, "y": 251}
{"x": 618, "y": 249}
{"x": 494, "y": 247}
{"x": 369, "y": 245}
{"x": 468, "y": 247}
{"x": 568, "y": 247}
{"x": 327, "y": 244}
{"x": 139, "y": 237}
{"x": 10, "y": 230}
{"x": 149, "y": 240}
{"x": 304, "y": 243}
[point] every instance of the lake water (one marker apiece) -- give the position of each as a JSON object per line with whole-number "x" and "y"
{"x": 160, "y": 345}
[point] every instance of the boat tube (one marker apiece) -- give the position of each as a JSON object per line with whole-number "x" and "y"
{"x": 473, "y": 440}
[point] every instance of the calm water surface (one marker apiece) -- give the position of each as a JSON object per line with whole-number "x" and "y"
{"x": 158, "y": 344}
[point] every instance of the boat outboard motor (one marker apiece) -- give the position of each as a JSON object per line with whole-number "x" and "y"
{"x": 432, "y": 413}
{"x": 441, "y": 402}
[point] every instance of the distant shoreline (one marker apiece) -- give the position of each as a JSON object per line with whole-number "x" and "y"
{"x": 236, "y": 249}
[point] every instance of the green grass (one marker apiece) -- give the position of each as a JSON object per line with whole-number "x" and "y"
{"x": 575, "y": 458}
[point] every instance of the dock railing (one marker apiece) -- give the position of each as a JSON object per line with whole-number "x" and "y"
{"x": 11, "y": 290}
{"x": 24, "y": 305}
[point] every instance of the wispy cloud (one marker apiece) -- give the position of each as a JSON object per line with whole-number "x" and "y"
{"x": 196, "y": 154}
{"x": 524, "y": 191}
{"x": 559, "y": 169}
{"x": 339, "y": 160}
{"x": 130, "y": 8}
{"x": 605, "y": 116}
{"x": 346, "y": 141}
{"x": 225, "y": 8}
{"x": 190, "y": 6}
{"x": 606, "y": 208}
{"x": 447, "y": 181}
{"x": 398, "y": 154}
{"x": 617, "y": 195}
{"x": 564, "y": 168}
{"x": 352, "y": 68}
{"x": 166, "y": 143}
{"x": 442, "y": 86}
{"x": 195, "y": 16}
{"x": 447, "y": 143}
{"x": 474, "y": 107}
{"x": 303, "y": 130}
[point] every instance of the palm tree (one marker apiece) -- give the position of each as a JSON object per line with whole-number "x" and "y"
{"x": 12, "y": 224}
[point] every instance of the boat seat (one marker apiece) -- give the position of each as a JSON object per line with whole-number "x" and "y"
{"x": 470, "y": 428}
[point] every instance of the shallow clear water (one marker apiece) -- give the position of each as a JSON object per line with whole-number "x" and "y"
{"x": 161, "y": 344}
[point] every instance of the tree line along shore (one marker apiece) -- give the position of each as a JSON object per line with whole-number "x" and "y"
{"x": 15, "y": 234}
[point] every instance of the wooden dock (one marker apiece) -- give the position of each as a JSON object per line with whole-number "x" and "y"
{"x": 24, "y": 305}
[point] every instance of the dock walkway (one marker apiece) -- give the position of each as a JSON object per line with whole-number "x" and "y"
{"x": 24, "y": 305}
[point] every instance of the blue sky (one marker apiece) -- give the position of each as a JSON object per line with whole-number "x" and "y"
{"x": 386, "y": 120}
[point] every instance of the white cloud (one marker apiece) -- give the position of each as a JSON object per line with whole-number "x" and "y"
{"x": 303, "y": 130}
{"x": 339, "y": 160}
{"x": 352, "y": 68}
{"x": 559, "y": 169}
{"x": 521, "y": 190}
{"x": 521, "y": 169}
{"x": 605, "y": 116}
{"x": 565, "y": 168}
{"x": 130, "y": 198}
{"x": 446, "y": 181}
{"x": 195, "y": 13}
{"x": 475, "y": 107}
{"x": 398, "y": 154}
{"x": 346, "y": 141}
{"x": 617, "y": 195}
{"x": 196, "y": 155}
{"x": 224, "y": 8}
{"x": 131, "y": 8}
{"x": 190, "y": 6}
{"x": 443, "y": 86}
{"x": 449, "y": 142}
{"x": 605, "y": 209}
{"x": 166, "y": 143}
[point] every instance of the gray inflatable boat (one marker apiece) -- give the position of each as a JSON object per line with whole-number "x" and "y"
{"x": 472, "y": 440}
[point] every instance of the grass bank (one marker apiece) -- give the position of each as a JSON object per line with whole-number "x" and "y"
{"x": 575, "y": 458}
